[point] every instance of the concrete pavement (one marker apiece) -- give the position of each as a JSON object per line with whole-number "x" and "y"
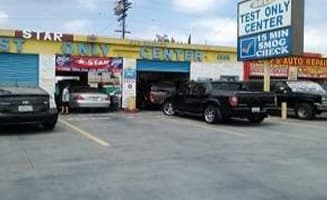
{"x": 152, "y": 156}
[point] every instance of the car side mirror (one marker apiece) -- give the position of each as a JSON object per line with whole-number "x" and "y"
{"x": 203, "y": 92}
{"x": 180, "y": 92}
{"x": 283, "y": 90}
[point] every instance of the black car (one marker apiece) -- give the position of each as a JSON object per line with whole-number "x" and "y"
{"x": 306, "y": 98}
{"x": 30, "y": 106}
{"x": 219, "y": 101}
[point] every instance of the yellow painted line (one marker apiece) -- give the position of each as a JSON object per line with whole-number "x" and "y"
{"x": 208, "y": 127}
{"x": 85, "y": 134}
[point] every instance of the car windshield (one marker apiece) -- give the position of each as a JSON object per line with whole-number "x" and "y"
{"x": 10, "y": 90}
{"x": 225, "y": 86}
{"x": 2, "y": 91}
{"x": 86, "y": 90}
{"x": 306, "y": 86}
{"x": 163, "y": 87}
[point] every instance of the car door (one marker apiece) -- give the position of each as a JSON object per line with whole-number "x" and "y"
{"x": 283, "y": 93}
{"x": 179, "y": 98}
{"x": 193, "y": 100}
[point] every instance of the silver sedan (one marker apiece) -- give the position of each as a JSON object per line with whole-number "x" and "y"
{"x": 86, "y": 97}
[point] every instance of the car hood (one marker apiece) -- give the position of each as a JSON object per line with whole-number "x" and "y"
{"x": 4, "y": 91}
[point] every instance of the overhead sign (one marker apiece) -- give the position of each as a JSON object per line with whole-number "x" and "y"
{"x": 78, "y": 63}
{"x": 270, "y": 29}
{"x": 46, "y": 36}
{"x": 306, "y": 67}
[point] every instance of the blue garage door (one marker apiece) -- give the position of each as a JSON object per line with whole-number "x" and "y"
{"x": 19, "y": 70}
{"x": 158, "y": 66}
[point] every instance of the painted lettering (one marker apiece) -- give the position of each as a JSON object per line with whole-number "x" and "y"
{"x": 179, "y": 55}
{"x": 83, "y": 49}
{"x": 58, "y": 37}
{"x": 198, "y": 56}
{"x": 104, "y": 49}
{"x": 95, "y": 51}
{"x": 4, "y": 44}
{"x": 68, "y": 48}
{"x": 168, "y": 54}
{"x": 27, "y": 34}
{"x": 188, "y": 55}
{"x": 157, "y": 54}
{"x": 19, "y": 44}
{"x": 250, "y": 16}
{"x": 38, "y": 35}
{"x": 47, "y": 36}
{"x": 144, "y": 53}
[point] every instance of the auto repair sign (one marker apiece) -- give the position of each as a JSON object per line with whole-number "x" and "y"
{"x": 270, "y": 28}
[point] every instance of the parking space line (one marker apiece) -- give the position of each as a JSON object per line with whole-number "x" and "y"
{"x": 208, "y": 127}
{"x": 85, "y": 134}
{"x": 298, "y": 137}
{"x": 303, "y": 124}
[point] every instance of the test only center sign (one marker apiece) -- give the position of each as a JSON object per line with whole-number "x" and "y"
{"x": 270, "y": 29}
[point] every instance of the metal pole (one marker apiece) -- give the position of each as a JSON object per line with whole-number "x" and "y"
{"x": 123, "y": 19}
{"x": 266, "y": 76}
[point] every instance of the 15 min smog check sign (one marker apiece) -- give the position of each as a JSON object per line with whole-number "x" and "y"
{"x": 270, "y": 28}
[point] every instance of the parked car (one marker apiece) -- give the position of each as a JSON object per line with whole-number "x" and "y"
{"x": 158, "y": 93}
{"x": 26, "y": 106}
{"x": 116, "y": 98}
{"x": 87, "y": 97}
{"x": 306, "y": 98}
{"x": 219, "y": 101}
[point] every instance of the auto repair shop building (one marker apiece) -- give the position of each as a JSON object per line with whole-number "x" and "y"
{"x": 30, "y": 58}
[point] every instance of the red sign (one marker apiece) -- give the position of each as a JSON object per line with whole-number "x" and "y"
{"x": 275, "y": 71}
{"x": 300, "y": 61}
{"x": 313, "y": 72}
{"x": 91, "y": 63}
{"x": 309, "y": 67}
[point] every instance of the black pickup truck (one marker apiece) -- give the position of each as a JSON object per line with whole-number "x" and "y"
{"x": 219, "y": 101}
{"x": 306, "y": 98}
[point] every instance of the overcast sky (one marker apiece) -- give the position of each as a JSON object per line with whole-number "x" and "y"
{"x": 209, "y": 21}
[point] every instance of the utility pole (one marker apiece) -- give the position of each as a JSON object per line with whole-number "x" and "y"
{"x": 120, "y": 9}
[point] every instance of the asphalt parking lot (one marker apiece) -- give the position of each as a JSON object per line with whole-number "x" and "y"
{"x": 147, "y": 155}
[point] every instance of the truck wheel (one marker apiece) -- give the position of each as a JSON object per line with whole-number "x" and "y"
{"x": 49, "y": 126}
{"x": 256, "y": 119}
{"x": 305, "y": 111}
{"x": 212, "y": 114}
{"x": 168, "y": 108}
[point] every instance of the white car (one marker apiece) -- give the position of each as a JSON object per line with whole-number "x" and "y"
{"x": 87, "y": 97}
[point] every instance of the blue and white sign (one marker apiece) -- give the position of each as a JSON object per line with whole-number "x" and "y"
{"x": 260, "y": 16}
{"x": 265, "y": 28}
{"x": 266, "y": 45}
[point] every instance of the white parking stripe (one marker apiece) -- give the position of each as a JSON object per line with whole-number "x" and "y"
{"x": 206, "y": 126}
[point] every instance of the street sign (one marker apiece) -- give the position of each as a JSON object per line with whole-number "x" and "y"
{"x": 270, "y": 29}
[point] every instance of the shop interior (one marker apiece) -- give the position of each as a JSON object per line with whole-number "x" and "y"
{"x": 153, "y": 87}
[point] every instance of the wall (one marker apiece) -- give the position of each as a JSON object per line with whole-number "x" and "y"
{"x": 215, "y": 71}
{"x": 47, "y": 75}
{"x": 129, "y": 84}
{"x": 108, "y": 47}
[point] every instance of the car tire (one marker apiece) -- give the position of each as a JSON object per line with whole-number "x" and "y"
{"x": 49, "y": 126}
{"x": 212, "y": 114}
{"x": 256, "y": 119}
{"x": 168, "y": 108}
{"x": 305, "y": 111}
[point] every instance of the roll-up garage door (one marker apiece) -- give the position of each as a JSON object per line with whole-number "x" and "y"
{"x": 19, "y": 70}
{"x": 158, "y": 66}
